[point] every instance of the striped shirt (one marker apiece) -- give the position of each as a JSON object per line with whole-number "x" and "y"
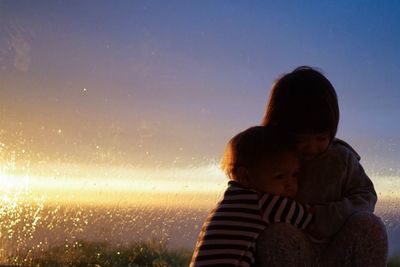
{"x": 229, "y": 233}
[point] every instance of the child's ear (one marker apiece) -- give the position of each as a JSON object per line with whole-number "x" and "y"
{"x": 243, "y": 177}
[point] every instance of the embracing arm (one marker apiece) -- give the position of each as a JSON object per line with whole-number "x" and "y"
{"x": 358, "y": 194}
{"x": 275, "y": 209}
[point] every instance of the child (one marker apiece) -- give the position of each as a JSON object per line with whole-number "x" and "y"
{"x": 263, "y": 170}
{"x": 344, "y": 231}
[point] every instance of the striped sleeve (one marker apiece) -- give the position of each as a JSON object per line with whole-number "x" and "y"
{"x": 275, "y": 209}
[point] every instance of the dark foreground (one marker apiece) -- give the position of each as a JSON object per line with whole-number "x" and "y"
{"x": 100, "y": 254}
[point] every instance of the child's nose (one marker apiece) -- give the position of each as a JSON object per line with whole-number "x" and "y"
{"x": 291, "y": 191}
{"x": 291, "y": 184}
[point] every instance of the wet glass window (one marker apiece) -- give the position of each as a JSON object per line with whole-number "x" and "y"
{"x": 114, "y": 115}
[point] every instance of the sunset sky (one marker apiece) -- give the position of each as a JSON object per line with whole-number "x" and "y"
{"x": 165, "y": 84}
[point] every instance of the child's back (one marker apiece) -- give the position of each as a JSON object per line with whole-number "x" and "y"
{"x": 229, "y": 234}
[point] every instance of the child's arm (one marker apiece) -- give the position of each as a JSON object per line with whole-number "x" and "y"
{"x": 358, "y": 195}
{"x": 275, "y": 209}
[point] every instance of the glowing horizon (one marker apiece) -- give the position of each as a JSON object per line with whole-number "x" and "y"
{"x": 179, "y": 187}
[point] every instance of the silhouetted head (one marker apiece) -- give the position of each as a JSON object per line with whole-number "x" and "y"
{"x": 262, "y": 158}
{"x": 304, "y": 104}
{"x": 303, "y": 101}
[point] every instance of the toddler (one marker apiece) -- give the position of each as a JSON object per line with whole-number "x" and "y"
{"x": 263, "y": 169}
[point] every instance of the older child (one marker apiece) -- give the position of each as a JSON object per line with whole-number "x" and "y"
{"x": 263, "y": 171}
{"x": 344, "y": 232}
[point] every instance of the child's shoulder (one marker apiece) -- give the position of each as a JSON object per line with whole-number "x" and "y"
{"x": 344, "y": 149}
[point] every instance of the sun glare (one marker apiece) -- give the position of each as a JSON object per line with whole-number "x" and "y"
{"x": 110, "y": 185}
{"x": 7, "y": 181}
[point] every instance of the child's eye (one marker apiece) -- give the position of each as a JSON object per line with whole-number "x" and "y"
{"x": 280, "y": 177}
{"x": 322, "y": 138}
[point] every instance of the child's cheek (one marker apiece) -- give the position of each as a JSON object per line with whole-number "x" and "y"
{"x": 282, "y": 190}
{"x": 302, "y": 148}
{"x": 305, "y": 152}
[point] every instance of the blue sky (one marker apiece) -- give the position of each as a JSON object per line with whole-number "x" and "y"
{"x": 168, "y": 82}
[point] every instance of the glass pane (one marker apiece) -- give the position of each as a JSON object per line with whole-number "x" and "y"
{"x": 114, "y": 115}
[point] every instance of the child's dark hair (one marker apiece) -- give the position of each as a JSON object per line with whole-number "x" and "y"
{"x": 252, "y": 145}
{"x": 303, "y": 101}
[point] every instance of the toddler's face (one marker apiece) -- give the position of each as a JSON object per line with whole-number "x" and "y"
{"x": 310, "y": 146}
{"x": 278, "y": 176}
